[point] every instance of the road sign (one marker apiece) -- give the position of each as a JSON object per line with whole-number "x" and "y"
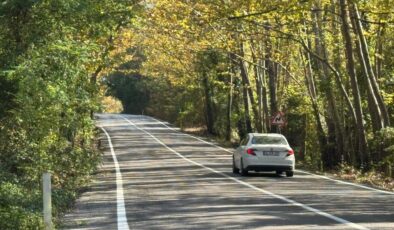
{"x": 278, "y": 119}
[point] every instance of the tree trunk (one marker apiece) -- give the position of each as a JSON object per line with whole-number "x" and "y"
{"x": 246, "y": 84}
{"x": 368, "y": 67}
{"x": 348, "y": 153}
{"x": 257, "y": 75}
{"x": 310, "y": 82}
{"x": 230, "y": 104}
{"x": 264, "y": 91}
{"x": 208, "y": 104}
{"x": 272, "y": 86}
{"x": 248, "y": 122}
{"x": 272, "y": 79}
{"x": 334, "y": 149}
{"x": 361, "y": 135}
{"x": 379, "y": 51}
{"x": 266, "y": 116}
{"x": 271, "y": 71}
{"x": 374, "y": 109}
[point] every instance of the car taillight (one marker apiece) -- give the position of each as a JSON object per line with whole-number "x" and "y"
{"x": 251, "y": 152}
{"x": 290, "y": 152}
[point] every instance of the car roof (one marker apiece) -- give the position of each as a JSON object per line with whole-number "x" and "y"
{"x": 266, "y": 134}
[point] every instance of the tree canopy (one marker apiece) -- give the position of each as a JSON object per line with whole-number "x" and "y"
{"x": 51, "y": 53}
{"x": 228, "y": 66}
{"x": 232, "y": 65}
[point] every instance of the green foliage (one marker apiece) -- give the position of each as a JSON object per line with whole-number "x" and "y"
{"x": 48, "y": 52}
{"x": 301, "y": 126}
{"x": 8, "y": 87}
{"x": 382, "y": 148}
{"x": 162, "y": 94}
{"x": 130, "y": 90}
{"x": 128, "y": 85}
{"x": 50, "y": 129}
{"x": 15, "y": 217}
{"x": 54, "y": 103}
{"x": 19, "y": 207}
{"x": 296, "y": 54}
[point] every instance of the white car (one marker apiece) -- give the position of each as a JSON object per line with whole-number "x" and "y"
{"x": 264, "y": 152}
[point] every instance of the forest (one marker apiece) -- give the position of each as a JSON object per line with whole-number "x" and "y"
{"x": 226, "y": 66}
{"x": 230, "y": 66}
{"x": 51, "y": 54}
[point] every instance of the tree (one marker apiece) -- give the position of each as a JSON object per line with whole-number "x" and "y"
{"x": 332, "y": 52}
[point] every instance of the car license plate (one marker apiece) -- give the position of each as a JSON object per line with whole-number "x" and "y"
{"x": 270, "y": 153}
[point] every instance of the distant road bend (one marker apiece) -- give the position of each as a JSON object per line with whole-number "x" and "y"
{"x": 156, "y": 177}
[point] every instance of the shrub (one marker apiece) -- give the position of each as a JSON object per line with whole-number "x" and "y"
{"x": 382, "y": 149}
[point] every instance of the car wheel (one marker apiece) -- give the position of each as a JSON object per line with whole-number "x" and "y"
{"x": 279, "y": 173}
{"x": 235, "y": 169}
{"x": 243, "y": 171}
{"x": 289, "y": 173}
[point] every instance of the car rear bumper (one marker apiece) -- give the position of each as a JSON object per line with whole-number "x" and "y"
{"x": 268, "y": 168}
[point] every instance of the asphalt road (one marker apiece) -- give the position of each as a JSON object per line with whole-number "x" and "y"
{"x": 155, "y": 177}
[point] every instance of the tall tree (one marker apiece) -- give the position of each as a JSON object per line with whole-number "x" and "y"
{"x": 365, "y": 60}
{"x": 361, "y": 135}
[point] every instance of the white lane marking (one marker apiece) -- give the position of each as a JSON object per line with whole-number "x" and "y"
{"x": 120, "y": 206}
{"x": 295, "y": 203}
{"x": 210, "y": 158}
{"x": 301, "y": 171}
{"x": 217, "y": 146}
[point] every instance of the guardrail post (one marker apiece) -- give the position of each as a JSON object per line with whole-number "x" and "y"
{"x": 47, "y": 197}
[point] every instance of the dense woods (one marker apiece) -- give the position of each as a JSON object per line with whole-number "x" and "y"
{"x": 228, "y": 66}
{"x": 51, "y": 53}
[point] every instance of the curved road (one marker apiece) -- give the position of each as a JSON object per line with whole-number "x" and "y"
{"x": 155, "y": 177}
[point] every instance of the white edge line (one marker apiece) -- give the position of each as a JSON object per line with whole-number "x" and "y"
{"x": 347, "y": 183}
{"x": 322, "y": 213}
{"x": 301, "y": 171}
{"x": 120, "y": 205}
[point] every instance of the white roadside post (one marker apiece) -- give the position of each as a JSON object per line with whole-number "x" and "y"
{"x": 47, "y": 197}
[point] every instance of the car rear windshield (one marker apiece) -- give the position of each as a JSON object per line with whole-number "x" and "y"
{"x": 268, "y": 140}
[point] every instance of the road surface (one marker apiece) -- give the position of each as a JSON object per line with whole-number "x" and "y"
{"x": 155, "y": 177}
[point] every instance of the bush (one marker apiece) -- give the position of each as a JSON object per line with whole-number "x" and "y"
{"x": 49, "y": 130}
{"x": 19, "y": 207}
{"x": 15, "y": 217}
{"x": 382, "y": 149}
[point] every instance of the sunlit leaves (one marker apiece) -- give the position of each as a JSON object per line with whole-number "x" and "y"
{"x": 48, "y": 52}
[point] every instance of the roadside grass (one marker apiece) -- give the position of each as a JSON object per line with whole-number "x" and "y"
{"x": 372, "y": 177}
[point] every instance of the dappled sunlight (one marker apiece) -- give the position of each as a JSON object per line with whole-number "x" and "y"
{"x": 164, "y": 191}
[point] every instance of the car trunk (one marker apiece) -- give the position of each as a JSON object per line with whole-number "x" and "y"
{"x": 271, "y": 153}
